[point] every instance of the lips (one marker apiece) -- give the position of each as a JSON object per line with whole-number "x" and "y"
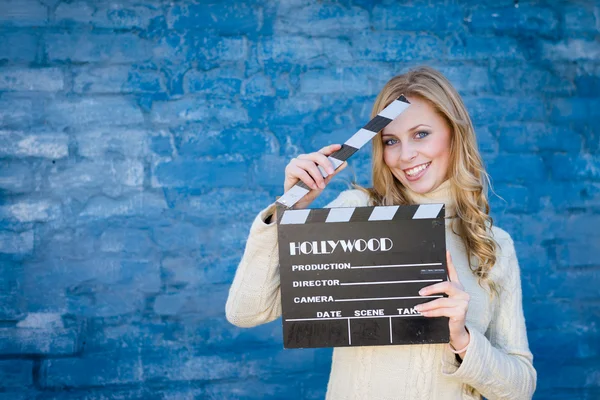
{"x": 416, "y": 172}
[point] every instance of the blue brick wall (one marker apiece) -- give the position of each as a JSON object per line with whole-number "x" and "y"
{"x": 139, "y": 138}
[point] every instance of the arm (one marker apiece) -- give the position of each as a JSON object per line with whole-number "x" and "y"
{"x": 254, "y": 296}
{"x": 499, "y": 367}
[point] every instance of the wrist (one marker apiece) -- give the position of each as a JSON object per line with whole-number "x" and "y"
{"x": 461, "y": 340}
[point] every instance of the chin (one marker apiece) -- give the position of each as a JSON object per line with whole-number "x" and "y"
{"x": 422, "y": 186}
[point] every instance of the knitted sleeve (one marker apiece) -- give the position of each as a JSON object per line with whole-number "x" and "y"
{"x": 499, "y": 364}
{"x": 254, "y": 297}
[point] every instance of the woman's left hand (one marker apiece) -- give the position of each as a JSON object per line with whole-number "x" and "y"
{"x": 454, "y": 306}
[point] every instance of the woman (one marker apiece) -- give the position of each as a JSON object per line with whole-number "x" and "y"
{"x": 427, "y": 155}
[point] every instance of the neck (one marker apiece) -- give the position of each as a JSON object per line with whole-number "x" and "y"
{"x": 441, "y": 194}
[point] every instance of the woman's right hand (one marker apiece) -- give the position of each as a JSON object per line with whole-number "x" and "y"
{"x": 304, "y": 168}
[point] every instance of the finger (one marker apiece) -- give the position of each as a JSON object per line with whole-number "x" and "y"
{"x": 452, "y": 313}
{"x": 446, "y": 302}
{"x": 447, "y": 287}
{"x": 452, "y": 274}
{"x": 328, "y": 150}
{"x": 310, "y": 167}
{"x": 304, "y": 176}
{"x": 321, "y": 160}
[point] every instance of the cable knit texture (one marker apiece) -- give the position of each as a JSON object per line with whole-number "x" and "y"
{"x": 497, "y": 364}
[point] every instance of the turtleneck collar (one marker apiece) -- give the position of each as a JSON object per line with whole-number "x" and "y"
{"x": 441, "y": 194}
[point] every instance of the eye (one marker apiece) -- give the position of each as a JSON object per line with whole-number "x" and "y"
{"x": 421, "y": 134}
{"x": 390, "y": 142}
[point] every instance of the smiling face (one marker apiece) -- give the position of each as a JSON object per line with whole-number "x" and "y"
{"x": 416, "y": 147}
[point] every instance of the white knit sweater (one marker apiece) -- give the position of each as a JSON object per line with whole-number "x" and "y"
{"x": 497, "y": 364}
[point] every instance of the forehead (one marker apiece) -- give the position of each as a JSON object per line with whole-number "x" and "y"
{"x": 419, "y": 112}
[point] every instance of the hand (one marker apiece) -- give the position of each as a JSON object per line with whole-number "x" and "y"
{"x": 454, "y": 306}
{"x": 304, "y": 168}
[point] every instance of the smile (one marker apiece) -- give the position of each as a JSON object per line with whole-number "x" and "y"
{"x": 414, "y": 171}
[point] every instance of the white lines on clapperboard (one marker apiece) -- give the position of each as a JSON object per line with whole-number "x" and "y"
{"x": 395, "y": 265}
{"x": 388, "y": 282}
{"x": 389, "y": 298}
{"x": 349, "y": 318}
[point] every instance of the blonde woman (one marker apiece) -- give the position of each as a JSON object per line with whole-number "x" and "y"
{"x": 427, "y": 155}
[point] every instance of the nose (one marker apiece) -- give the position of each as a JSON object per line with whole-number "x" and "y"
{"x": 407, "y": 153}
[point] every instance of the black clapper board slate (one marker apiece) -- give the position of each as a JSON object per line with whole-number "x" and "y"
{"x": 350, "y": 276}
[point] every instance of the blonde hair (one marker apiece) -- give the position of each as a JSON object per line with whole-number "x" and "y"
{"x": 467, "y": 176}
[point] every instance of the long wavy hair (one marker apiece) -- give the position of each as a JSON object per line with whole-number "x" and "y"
{"x": 468, "y": 178}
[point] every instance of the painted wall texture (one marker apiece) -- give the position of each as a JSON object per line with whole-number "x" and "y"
{"x": 138, "y": 139}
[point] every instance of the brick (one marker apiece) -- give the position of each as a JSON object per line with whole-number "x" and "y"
{"x": 269, "y": 170}
{"x": 181, "y": 235}
{"x": 491, "y": 109}
{"x": 138, "y": 204}
{"x": 18, "y": 46}
{"x": 116, "y": 79}
{"x": 571, "y": 50}
{"x": 101, "y": 142}
{"x": 298, "y": 49}
{"x": 486, "y": 140}
{"x": 569, "y": 167}
{"x": 340, "y": 80}
{"x": 258, "y": 85}
{"x": 41, "y": 321}
{"x": 112, "y": 178}
{"x": 516, "y": 198}
{"x": 244, "y": 204}
{"x": 45, "y": 145}
{"x": 97, "y": 47}
{"x": 321, "y": 20}
{"x": 26, "y": 13}
{"x": 417, "y": 17}
{"x": 228, "y": 19}
{"x": 582, "y": 226}
{"x": 514, "y": 168}
{"x": 392, "y": 47}
{"x": 476, "y": 47}
{"x": 198, "y": 110}
{"x": 16, "y": 373}
{"x": 467, "y": 79}
{"x": 248, "y": 143}
{"x": 200, "y": 174}
{"x": 569, "y": 195}
{"x": 579, "y": 18}
{"x": 170, "y": 304}
{"x": 581, "y": 344}
{"x": 16, "y": 112}
{"x": 525, "y": 19}
{"x": 222, "y": 81}
{"x": 512, "y": 80}
{"x": 16, "y": 243}
{"x": 537, "y": 136}
{"x": 121, "y": 15}
{"x": 94, "y": 370}
{"x": 31, "y": 211}
{"x": 25, "y": 79}
{"x": 16, "y": 177}
{"x": 126, "y": 242}
{"x": 574, "y": 109}
{"x": 33, "y": 341}
{"x": 92, "y": 111}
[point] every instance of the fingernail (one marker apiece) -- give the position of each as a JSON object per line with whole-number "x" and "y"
{"x": 417, "y": 307}
{"x": 421, "y": 292}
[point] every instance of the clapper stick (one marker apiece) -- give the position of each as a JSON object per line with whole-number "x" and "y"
{"x": 352, "y": 145}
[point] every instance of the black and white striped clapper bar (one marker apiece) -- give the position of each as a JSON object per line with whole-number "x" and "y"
{"x": 351, "y": 276}
{"x": 351, "y": 146}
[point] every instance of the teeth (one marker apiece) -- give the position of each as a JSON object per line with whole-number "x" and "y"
{"x": 416, "y": 170}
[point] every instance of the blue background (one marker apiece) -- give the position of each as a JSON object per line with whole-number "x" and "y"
{"x": 138, "y": 139}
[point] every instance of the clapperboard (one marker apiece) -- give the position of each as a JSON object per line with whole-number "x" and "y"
{"x": 350, "y": 276}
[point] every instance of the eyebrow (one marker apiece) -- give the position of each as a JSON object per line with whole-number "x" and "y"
{"x": 410, "y": 130}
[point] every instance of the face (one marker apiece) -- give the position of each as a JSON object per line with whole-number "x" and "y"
{"x": 416, "y": 147}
